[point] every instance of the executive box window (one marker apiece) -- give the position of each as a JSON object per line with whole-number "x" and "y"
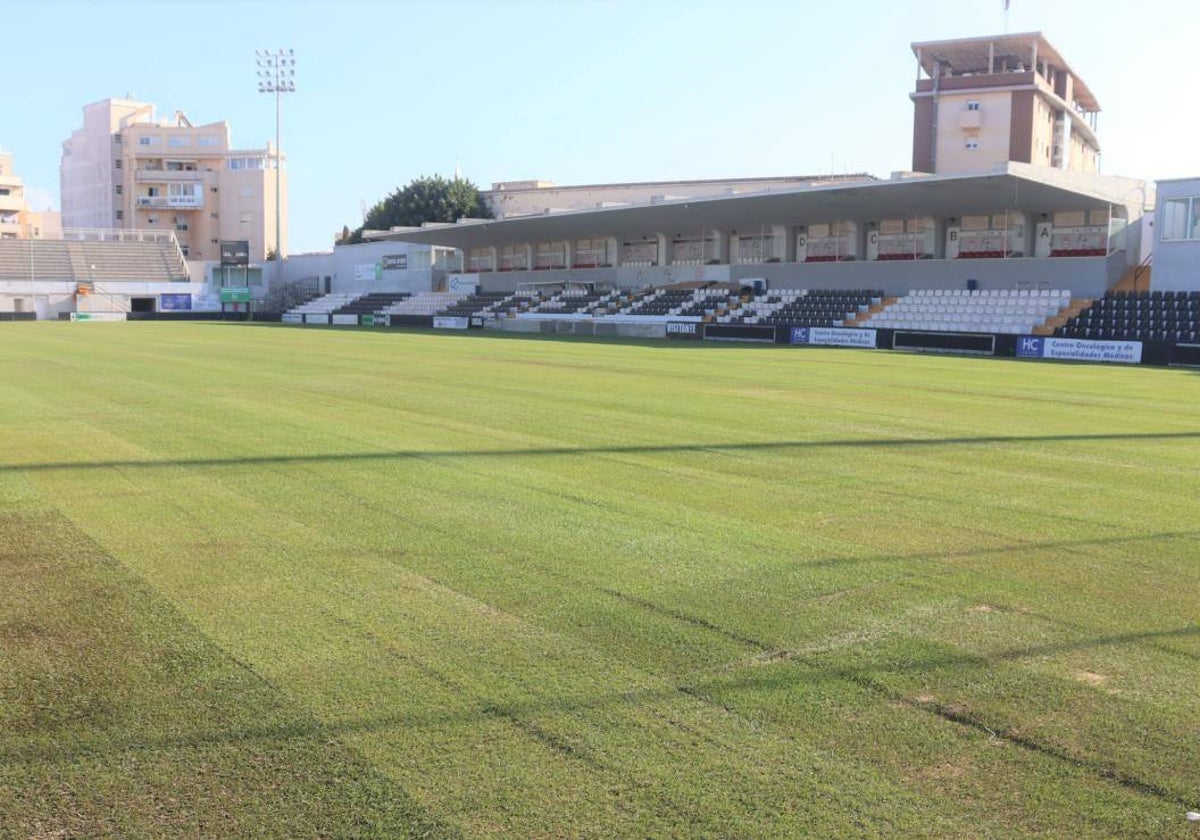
{"x": 1181, "y": 218}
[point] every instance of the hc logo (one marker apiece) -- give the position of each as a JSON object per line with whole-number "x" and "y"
{"x": 799, "y": 335}
{"x": 1030, "y": 346}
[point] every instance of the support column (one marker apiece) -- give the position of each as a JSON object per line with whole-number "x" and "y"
{"x": 666, "y": 249}
{"x": 720, "y": 252}
{"x": 612, "y": 251}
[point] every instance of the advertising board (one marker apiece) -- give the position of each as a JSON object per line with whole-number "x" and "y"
{"x": 1079, "y": 349}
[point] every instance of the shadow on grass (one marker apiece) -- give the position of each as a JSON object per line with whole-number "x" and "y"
{"x": 629, "y": 449}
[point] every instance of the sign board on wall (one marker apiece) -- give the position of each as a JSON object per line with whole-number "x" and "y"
{"x": 446, "y": 322}
{"x": 462, "y": 283}
{"x": 395, "y": 262}
{"x": 366, "y": 272}
{"x": 175, "y": 303}
{"x": 1079, "y": 349}
{"x": 293, "y": 318}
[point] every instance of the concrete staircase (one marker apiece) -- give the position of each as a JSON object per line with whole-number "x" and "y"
{"x": 874, "y": 309}
{"x": 1136, "y": 279}
{"x": 1076, "y": 306}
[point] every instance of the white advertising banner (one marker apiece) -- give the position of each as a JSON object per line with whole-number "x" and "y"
{"x": 346, "y": 320}
{"x": 293, "y": 318}
{"x": 833, "y": 337}
{"x": 314, "y": 318}
{"x": 1079, "y": 349}
{"x": 466, "y": 284}
{"x": 447, "y": 322}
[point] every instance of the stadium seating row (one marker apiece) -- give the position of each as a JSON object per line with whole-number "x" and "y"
{"x": 1138, "y": 316}
{"x": 957, "y": 310}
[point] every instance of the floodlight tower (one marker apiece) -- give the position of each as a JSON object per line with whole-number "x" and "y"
{"x": 277, "y": 75}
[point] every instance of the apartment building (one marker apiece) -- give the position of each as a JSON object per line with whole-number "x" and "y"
{"x": 12, "y": 200}
{"x": 126, "y": 169}
{"x": 982, "y": 102}
{"x": 17, "y": 219}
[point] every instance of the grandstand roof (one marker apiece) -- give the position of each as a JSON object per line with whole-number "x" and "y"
{"x": 1015, "y": 186}
{"x": 970, "y": 55}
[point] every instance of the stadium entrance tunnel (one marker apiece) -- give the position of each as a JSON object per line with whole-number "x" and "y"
{"x": 143, "y": 304}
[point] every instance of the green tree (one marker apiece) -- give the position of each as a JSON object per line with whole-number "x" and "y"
{"x": 426, "y": 199}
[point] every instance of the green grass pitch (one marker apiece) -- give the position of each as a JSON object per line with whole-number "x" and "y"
{"x": 273, "y": 582}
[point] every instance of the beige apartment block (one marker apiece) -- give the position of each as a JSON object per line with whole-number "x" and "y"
{"x": 981, "y": 102}
{"x": 12, "y": 200}
{"x": 125, "y": 169}
{"x": 17, "y": 220}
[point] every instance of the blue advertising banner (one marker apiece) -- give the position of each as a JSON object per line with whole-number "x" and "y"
{"x": 174, "y": 303}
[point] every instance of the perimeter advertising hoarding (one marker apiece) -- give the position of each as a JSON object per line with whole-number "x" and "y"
{"x": 97, "y": 316}
{"x": 1079, "y": 349}
{"x": 967, "y": 344}
{"x": 174, "y": 303}
{"x": 834, "y": 337}
{"x": 447, "y": 322}
{"x": 685, "y": 330}
{"x": 739, "y": 332}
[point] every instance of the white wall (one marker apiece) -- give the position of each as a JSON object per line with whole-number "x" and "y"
{"x": 1176, "y": 263}
{"x": 340, "y": 267}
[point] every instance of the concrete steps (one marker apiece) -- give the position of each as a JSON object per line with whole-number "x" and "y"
{"x": 1072, "y": 309}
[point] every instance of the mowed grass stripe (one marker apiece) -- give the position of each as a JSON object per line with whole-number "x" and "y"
{"x": 120, "y": 720}
{"x": 579, "y": 639}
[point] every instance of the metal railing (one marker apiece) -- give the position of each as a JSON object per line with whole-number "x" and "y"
{"x": 117, "y": 235}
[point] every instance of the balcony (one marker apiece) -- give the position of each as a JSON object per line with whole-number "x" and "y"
{"x": 168, "y": 176}
{"x": 166, "y": 201}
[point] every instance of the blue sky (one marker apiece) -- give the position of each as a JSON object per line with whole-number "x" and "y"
{"x": 572, "y": 91}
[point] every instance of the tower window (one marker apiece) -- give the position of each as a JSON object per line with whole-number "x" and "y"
{"x": 972, "y": 143}
{"x": 972, "y": 104}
